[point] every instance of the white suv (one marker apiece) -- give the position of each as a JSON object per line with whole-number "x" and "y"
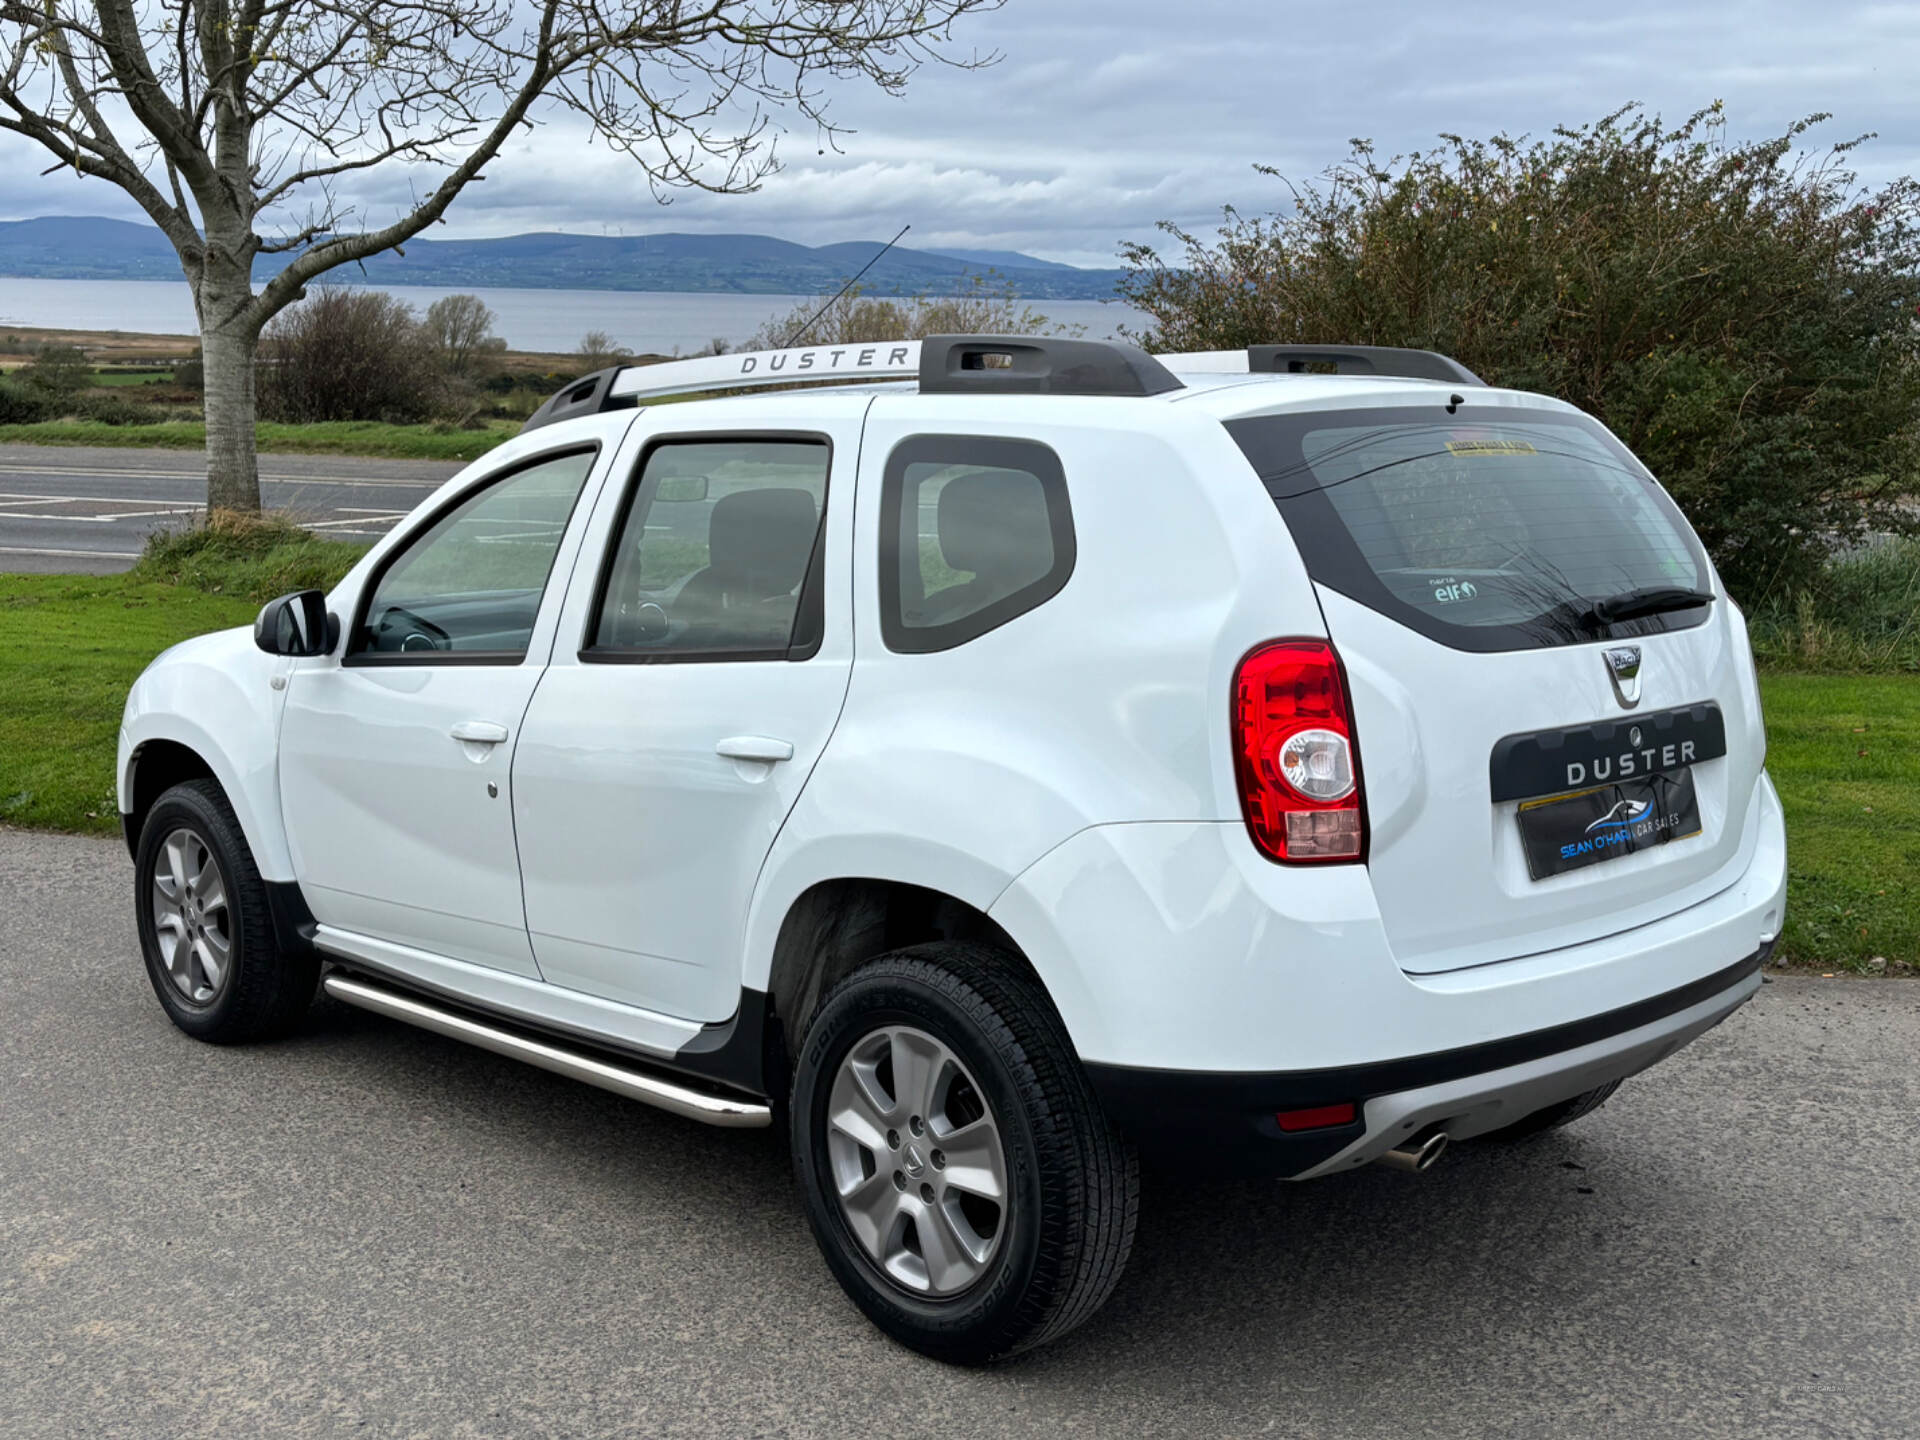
{"x": 1036, "y": 755}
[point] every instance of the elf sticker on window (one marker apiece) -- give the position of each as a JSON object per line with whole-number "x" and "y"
{"x": 1491, "y": 447}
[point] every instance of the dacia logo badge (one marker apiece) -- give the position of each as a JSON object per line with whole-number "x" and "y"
{"x": 1623, "y": 667}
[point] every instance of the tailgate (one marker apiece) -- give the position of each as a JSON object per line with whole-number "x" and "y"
{"x": 1450, "y": 872}
{"x": 1524, "y": 615}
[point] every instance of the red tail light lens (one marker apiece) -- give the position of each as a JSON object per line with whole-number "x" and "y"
{"x": 1295, "y": 756}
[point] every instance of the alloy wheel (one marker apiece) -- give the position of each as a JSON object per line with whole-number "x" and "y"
{"x": 192, "y": 920}
{"x": 917, "y": 1161}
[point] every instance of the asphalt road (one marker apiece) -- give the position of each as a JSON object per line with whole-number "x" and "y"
{"x": 66, "y": 509}
{"x": 368, "y": 1230}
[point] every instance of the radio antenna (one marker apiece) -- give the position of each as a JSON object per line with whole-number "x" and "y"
{"x": 788, "y": 342}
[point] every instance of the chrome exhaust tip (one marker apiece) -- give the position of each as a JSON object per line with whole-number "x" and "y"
{"x": 1418, "y": 1154}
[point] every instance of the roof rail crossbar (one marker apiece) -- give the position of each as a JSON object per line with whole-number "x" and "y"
{"x": 1359, "y": 360}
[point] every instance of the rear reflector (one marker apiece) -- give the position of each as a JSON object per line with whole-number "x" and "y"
{"x": 1319, "y": 1117}
{"x": 1294, "y": 754}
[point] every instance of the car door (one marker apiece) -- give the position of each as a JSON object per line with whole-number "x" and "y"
{"x": 695, "y": 681}
{"x": 395, "y": 757}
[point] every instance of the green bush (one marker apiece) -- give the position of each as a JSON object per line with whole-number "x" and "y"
{"x": 59, "y": 370}
{"x": 253, "y": 557}
{"x": 112, "y": 410}
{"x": 1742, "y": 315}
{"x": 21, "y": 406}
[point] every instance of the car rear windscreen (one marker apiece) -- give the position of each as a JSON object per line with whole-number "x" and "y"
{"x": 1495, "y": 529}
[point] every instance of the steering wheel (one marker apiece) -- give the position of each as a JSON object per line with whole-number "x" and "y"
{"x": 421, "y": 633}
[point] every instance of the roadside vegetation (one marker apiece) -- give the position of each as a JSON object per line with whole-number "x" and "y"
{"x": 1742, "y": 315}
{"x": 370, "y": 438}
{"x": 856, "y": 318}
{"x": 346, "y": 372}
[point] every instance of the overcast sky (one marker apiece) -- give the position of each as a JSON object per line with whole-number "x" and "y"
{"x": 1107, "y": 115}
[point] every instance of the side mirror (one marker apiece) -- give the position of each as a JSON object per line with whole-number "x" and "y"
{"x": 296, "y": 624}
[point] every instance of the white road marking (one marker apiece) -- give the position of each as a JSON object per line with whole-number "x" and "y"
{"x": 14, "y": 498}
{"x": 74, "y": 554}
{"x": 357, "y": 520}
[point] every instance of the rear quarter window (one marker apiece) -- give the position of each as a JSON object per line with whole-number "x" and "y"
{"x": 975, "y": 531}
{"x": 1489, "y": 530}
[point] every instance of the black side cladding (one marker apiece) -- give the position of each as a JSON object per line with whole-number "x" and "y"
{"x": 589, "y": 395}
{"x": 1029, "y": 365}
{"x": 1360, "y": 360}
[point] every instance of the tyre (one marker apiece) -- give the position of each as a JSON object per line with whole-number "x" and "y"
{"x": 961, "y": 1179}
{"x": 1554, "y": 1116}
{"x": 205, "y": 929}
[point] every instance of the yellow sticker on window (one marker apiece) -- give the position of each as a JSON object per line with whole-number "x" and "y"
{"x": 1491, "y": 447}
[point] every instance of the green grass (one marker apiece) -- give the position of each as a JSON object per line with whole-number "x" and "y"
{"x": 1844, "y": 752}
{"x": 70, "y": 647}
{"x": 132, "y": 377}
{"x": 367, "y": 438}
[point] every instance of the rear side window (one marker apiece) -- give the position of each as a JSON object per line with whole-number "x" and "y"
{"x": 1485, "y": 530}
{"x": 717, "y": 555}
{"x": 974, "y": 531}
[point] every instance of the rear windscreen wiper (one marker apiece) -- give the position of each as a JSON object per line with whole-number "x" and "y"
{"x": 1652, "y": 600}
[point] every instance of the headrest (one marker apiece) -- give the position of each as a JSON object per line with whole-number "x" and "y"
{"x": 994, "y": 523}
{"x": 760, "y": 540}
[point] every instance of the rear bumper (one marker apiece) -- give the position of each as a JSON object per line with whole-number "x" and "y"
{"x": 1222, "y": 1123}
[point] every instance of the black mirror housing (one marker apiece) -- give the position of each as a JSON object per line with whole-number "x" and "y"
{"x": 296, "y": 624}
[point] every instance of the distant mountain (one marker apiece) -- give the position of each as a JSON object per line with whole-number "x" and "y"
{"x": 91, "y": 248}
{"x": 1001, "y": 259}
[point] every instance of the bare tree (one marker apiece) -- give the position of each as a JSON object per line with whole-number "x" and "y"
{"x": 224, "y": 119}
{"x": 461, "y": 326}
{"x": 598, "y": 350}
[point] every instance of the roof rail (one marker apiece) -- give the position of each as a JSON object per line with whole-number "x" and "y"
{"x": 1379, "y": 360}
{"x": 1027, "y": 365}
{"x": 943, "y": 364}
{"x": 589, "y": 395}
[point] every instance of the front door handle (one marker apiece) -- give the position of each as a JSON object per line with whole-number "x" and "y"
{"x": 479, "y": 732}
{"x": 754, "y": 747}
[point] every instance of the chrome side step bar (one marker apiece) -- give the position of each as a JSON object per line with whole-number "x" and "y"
{"x": 701, "y": 1105}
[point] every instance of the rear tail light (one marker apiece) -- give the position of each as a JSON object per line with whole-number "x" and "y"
{"x": 1294, "y": 754}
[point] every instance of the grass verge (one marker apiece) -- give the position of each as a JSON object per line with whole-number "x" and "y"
{"x": 250, "y": 557}
{"x": 366, "y": 438}
{"x": 1844, "y": 750}
{"x": 70, "y": 646}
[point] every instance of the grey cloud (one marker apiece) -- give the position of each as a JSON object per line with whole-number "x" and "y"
{"x": 1107, "y": 115}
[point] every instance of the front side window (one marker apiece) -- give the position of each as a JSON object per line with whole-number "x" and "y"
{"x": 974, "y": 531}
{"x": 1496, "y": 528}
{"x": 713, "y": 555}
{"x": 469, "y": 586}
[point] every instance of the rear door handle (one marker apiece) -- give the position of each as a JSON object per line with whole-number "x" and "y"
{"x": 479, "y": 732}
{"x": 754, "y": 747}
